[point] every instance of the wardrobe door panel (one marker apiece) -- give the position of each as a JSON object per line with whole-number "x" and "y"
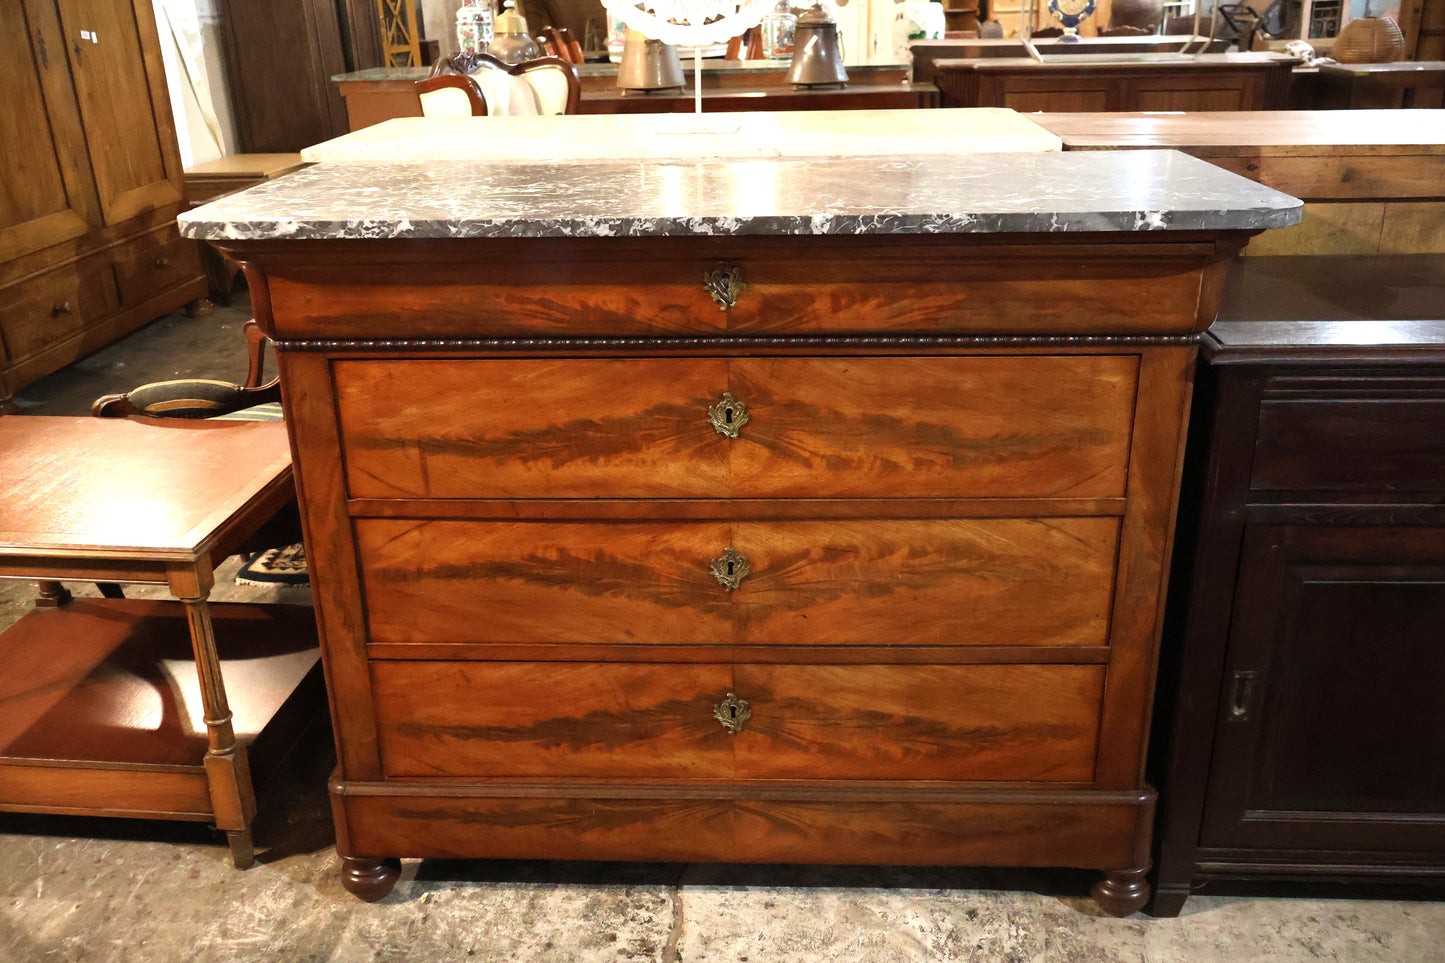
{"x": 120, "y": 85}
{"x": 45, "y": 195}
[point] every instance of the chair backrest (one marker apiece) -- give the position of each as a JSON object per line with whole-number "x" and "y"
{"x": 545, "y": 86}
{"x": 451, "y": 95}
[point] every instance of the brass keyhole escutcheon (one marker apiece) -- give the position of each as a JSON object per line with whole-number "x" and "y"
{"x": 730, "y": 568}
{"x": 724, "y": 283}
{"x": 733, "y": 713}
{"x": 729, "y": 415}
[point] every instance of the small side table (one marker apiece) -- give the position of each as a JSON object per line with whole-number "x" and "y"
{"x": 226, "y": 175}
{"x": 98, "y": 712}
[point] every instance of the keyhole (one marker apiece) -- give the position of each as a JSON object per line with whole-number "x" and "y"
{"x": 733, "y": 711}
{"x": 730, "y": 568}
{"x": 728, "y": 415}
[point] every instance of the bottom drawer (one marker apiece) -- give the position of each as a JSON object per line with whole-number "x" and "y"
{"x": 630, "y": 720}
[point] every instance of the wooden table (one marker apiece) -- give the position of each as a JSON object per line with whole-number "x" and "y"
{"x": 225, "y": 175}
{"x": 97, "y": 715}
{"x": 1373, "y": 180}
{"x": 381, "y": 93}
{"x": 237, "y": 172}
{"x": 1405, "y": 84}
{"x": 1083, "y": 82}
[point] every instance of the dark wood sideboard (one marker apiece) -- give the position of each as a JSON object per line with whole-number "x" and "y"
{"x": 1302, "y": 671}
{"x": 1080, "y": 83}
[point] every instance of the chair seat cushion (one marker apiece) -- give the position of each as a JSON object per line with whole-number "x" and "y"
{"x": 190, "y": 398}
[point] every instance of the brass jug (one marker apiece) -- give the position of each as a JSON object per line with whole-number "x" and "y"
{"x": 817, "y": 58}
{"x": 648, "y": 64}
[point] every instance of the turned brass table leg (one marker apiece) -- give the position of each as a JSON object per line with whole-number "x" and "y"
{"x": 229, "y": 778}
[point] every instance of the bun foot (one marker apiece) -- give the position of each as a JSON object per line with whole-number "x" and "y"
{"x": 368, "y": 879}
{"x": 1122, "y": 891}
{"x": 200, "y": 308}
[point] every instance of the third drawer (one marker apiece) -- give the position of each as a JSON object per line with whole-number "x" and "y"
{"x": 947, "y": 581}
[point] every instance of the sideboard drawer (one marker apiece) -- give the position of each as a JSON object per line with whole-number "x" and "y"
{"x": 956, "y": 581}
{"x": 999, "y": 426}
{"x": 628, "y": 720}
{"x": 1356, "y": 443}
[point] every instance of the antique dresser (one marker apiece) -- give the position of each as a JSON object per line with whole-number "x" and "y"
{"x": 766, "y": 511}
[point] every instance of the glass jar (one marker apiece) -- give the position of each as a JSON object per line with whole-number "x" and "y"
{"x": 779, "y": 27}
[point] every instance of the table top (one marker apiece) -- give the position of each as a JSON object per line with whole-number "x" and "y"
{"x": 131, "y": 488}
{"x": 710, "y": 65}
{"x": 1398, "y": 67}
{"x": 1107, "y": 62}
{"x": 246, "y": 166}
{"x": 686, "y": 137}
{"x": 1236, "y": 131}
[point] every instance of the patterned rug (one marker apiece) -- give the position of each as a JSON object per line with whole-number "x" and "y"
{"x": 276, "y": 566}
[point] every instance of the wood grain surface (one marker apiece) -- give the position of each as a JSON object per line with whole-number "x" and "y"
{"x": 819, "y": 427}
{"x": 615, "y": 720}
{"x": 182, "y": 481}
{"x": 1025, "y": 829}
{"x": 795, "y": 285}
{"x": 995, "y": 581}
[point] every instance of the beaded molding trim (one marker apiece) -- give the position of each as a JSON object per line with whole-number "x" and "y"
{"x": 902, "y": 341}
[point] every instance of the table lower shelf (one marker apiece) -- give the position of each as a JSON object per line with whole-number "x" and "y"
{"x": 100, "y": 707}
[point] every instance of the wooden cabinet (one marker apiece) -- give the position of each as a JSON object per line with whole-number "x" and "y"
{"x": 865, "y": 568}
{"x": 88, "y": 246}
{"x": 281, "y": 56}
{"x": 1308, "y": 725}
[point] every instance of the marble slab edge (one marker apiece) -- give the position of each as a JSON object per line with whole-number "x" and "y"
{"x": 1109, "y": 191}
{"x": 1016, "y": 223}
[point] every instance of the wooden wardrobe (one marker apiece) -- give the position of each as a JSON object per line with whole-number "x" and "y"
{"x": 91, "y": 187}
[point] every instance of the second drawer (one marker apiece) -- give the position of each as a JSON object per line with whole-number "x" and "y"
{"x": 612, "y": 720}
{"x": 872, "y": 427}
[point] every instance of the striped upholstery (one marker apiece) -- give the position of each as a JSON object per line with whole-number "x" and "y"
{"x": 193, "y": 398}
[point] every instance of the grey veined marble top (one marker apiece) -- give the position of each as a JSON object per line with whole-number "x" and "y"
{"x": 979, "y": 193}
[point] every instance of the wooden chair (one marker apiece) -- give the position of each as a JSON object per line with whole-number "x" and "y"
{"x": 451, "y": 95}
{"x": 194, "y": 398}
{"x": 544, "y": 86}
{"x": 558, "y": 42}
{"x": 201, "y": 398}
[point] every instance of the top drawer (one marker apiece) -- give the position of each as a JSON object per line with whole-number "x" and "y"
{"x": 812, "y": 285}
{"x": 1351, "y": 435}
{"x": 1039, "y": 426}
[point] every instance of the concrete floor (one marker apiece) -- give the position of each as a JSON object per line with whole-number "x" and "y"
{"x": 103, "y": 890}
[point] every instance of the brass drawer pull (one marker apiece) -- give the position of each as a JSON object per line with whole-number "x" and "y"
{"x": 62, "y": 308}
{"x": 724, "y": 283}
{"x": 733, "y": 713}
{"x": 730, "y": 568}
{"x": 163, "y": 262}
{"x": 728, "y": 416}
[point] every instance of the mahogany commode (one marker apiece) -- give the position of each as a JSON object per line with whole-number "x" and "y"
{"x": 908, "y": 614}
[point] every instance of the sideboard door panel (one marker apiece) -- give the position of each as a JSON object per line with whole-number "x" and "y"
{"x": 1332, "y": 723}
